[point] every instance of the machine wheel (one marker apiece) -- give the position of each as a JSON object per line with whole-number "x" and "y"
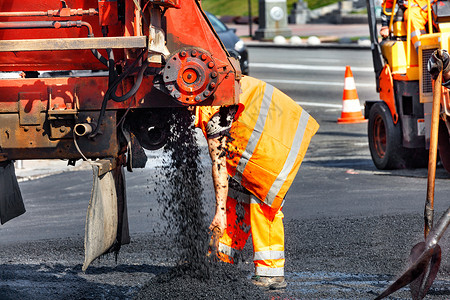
{"x": 385, "y": 139}
{"x": 444, "y": 146}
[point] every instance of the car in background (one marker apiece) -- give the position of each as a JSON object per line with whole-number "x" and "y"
{"x": 231, "y": 41}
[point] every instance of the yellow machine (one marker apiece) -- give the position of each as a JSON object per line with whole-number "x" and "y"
{"x": 399, "y": 123}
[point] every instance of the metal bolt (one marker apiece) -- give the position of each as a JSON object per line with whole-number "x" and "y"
{"x": 183, "y": 53}
{"x": 39, "y": 128}
{"x": 206, "y": 93}
{"x": 194, "y": 52}
{"x": 214, "y": 74}
{"x": 210, "y": 64}
{"x": 197, "y": 98}
{"x": 26, "y": 128}
{"x": 212, "y": 85}
{"x": 62, "y": 129}
{"x": 204, "y": 57}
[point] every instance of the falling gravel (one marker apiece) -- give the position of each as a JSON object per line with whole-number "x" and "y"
{"x": 195, "y": 276}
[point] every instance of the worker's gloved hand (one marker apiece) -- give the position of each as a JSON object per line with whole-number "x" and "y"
{"x": 439, "y": 61}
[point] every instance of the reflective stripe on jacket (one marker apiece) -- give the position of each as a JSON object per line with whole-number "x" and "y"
{"x": 269, "y": 140}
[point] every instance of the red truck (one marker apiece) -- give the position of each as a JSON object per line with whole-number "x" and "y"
{"x": 98, "y": 81}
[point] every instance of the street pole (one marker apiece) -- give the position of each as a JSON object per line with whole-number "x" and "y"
{"x": 250, "y": 18}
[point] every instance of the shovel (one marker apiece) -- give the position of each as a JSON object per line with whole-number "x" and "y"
{"x": 425, "y": 257}
{"x": 429, "y": 258}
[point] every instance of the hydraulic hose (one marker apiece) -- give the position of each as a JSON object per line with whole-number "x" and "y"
{"x": 135, "y": 87}
{"x": 46, "y": 24}
{"x": 65, "y": 12}
{"x": 113, "y": 87}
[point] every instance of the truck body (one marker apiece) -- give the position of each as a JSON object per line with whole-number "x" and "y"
{"x": 98, "y": 81}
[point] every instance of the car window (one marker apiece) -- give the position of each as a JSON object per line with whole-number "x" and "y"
{"x": 216, "y": 23}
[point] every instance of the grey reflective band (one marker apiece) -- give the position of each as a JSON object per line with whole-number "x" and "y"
{"x": 417, "y": 45}
{"x": 226, "y": 250}
{"x": 290, "y": 160}
{"x": 264, "y": 271}
{"x": 256, "y": 134}
{"x": 254, "y": 200}
{"x": 266, "y": 255}
{"x": 416, "y": 33}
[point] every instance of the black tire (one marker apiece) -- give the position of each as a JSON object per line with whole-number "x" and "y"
{"x": 444, "y": 146}
{"x": 385, "y": 139}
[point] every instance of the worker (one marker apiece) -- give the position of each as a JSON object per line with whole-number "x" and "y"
{"x": 439, "y": 61}
{"x": 384, "y": 30}
{"x": 418, "y": 14}
{"x": 256, "y": 150}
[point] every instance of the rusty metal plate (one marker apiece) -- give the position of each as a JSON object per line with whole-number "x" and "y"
{"x": 30, "y": 107}
{"x": 35, "y": 142}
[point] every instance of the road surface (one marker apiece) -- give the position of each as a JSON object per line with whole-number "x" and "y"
{"x": 349, "y": 226}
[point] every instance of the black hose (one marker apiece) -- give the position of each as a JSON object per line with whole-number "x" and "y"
{"x": 135, "y": 87}
{"x": 99, "y": 57}
{"x": 113, "y": 87}
{"x": 111, "y": 67}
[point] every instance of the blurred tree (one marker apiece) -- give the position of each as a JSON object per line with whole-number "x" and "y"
{"x": 240, "y": 8}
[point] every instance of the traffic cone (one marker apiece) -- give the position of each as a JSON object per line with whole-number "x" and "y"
{"x": 351, "y": 109}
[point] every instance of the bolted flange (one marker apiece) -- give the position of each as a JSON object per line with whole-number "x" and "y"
{"x": 190, "y": 75}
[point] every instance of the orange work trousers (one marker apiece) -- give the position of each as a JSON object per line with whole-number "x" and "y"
{"x": 247, "y": 214}
{"x": 419, "y": 18}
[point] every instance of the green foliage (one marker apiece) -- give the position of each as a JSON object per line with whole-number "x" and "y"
{"x": 240, "y": 7}
{"x": 313, "y": 4}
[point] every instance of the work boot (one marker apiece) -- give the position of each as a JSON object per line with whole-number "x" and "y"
{"x": 269, "y": 283}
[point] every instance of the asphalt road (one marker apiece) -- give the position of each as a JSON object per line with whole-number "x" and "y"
{"x": 349, "y": 226}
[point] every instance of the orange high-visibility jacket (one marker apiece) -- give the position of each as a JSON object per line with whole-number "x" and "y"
{"x": 269, "y": 140}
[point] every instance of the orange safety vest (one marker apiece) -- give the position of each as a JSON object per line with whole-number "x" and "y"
{"x": 269, "y": 140}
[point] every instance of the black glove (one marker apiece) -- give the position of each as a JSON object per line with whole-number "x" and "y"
{"x": 439, "y": 61}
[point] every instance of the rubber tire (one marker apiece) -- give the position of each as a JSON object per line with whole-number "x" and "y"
{"x": 444, "y": 146}
{"x": 385, "y": 139}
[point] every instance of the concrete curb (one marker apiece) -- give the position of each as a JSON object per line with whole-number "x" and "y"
{"x": 36, "y": 169}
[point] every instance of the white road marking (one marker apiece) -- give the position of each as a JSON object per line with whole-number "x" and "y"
{"x": 316, "y": 104}
{"x": 308, "y": 82}
{"x": 309, "y": 67}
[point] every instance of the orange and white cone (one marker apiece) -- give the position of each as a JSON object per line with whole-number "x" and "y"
{"x": 351, "y": 109}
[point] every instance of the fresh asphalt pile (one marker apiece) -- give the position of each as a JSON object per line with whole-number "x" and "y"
{"x": 224, "y": 281}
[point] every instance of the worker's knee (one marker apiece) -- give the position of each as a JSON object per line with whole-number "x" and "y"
{"x": 418, "y": 18}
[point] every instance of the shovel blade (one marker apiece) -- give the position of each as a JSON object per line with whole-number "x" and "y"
{"x": 412, "y": 273}
{"x": 422, "y": 284}
{"x": 101, "y": 217}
